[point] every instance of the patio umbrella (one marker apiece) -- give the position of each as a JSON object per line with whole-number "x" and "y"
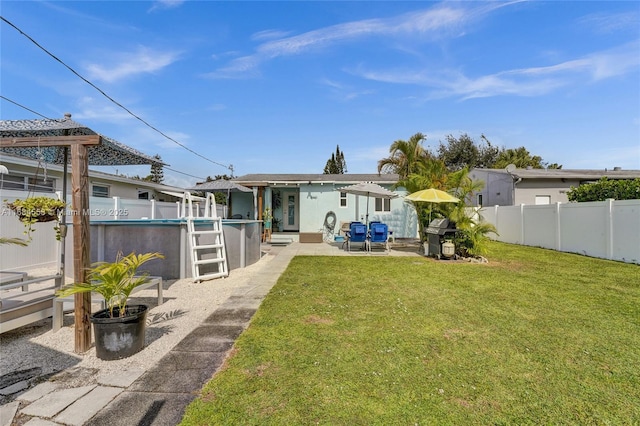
{"x": 432, "y": 195}
{"x": 368, "y": 189}
{"x": 221, "y": 185}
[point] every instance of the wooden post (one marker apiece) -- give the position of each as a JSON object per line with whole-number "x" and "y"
{"x": 81, "y": 243}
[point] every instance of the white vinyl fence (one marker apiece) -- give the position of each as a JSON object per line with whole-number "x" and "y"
{"x": 605, "y": 229}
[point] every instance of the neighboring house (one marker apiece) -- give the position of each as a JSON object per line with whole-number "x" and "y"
{"x": 536, "y": 186}
{"x": 27, "y": 175}
{"x": 304, "y": 202}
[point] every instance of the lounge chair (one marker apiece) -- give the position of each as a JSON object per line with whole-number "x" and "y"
{"x": 378, "y": 234}
{"x": 357, "y": 233}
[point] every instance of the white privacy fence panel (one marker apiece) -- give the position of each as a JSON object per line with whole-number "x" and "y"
{"x": 608, "y": 229}
{"x": 540, "y": 226}
{"x": 625, "y": 237}
{"x": 583, "y": 227}
{"x": 43, "y": 250}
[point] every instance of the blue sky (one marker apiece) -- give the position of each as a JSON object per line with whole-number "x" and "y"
{"x": 273, "y": 87}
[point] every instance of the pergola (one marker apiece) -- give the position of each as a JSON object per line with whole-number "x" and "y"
{"x": 50, "y": 140}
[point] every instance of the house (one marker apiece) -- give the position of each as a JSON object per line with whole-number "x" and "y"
{"x": 313, "y": 203}
{"x": 512, "y": 186}
{"x": 24, "y": 174}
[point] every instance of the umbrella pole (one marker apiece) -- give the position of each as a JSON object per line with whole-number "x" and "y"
{"x": 366, "y": 221}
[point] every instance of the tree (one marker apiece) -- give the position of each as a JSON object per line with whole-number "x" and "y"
{"x": 488, "y": 154}
{"x": 458, "y": 153}
{"x": 430, "y": 173}
{"x": 405, "y": 157}
{"x": 157, "y": 174}
{"x": 336, "y": 165}
{"x": 520, "y": 157}
{"x": 463, "y": 152}
{"x": 221, "y": 198}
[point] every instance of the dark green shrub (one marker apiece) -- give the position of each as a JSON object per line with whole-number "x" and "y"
{"x": 623, "y": 189}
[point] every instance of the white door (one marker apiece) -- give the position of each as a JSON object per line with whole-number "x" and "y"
{"x": 290, "y": 213}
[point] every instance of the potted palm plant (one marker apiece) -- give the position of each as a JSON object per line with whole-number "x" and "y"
{"x": 119, "y": 330}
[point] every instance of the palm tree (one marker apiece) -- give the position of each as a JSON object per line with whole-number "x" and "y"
{"x": 520, "y": 157}
{"x": 405, "y": 156}
{"x": 472, "y": 238}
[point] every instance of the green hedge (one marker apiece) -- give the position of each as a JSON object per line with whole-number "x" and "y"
{"x": 623, "y": 189}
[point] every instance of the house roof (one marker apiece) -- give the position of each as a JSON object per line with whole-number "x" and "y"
{"x": 266, "y": 179}
{"x": 585, "y": 174}
{"x": 9, "y": 159}
{"x": 110, "y": 152}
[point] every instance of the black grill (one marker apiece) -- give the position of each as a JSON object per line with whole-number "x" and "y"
{"x": 438, "y": 231}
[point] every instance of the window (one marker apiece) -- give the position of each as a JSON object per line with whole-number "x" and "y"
{"x": 101, "y": 191}
{"x": 143, "y": 195}
{"x": 383, "y": 204}
{"x": 479, "y": 200}
{"x": 543, "y": 199}
{"x": 343, "y": 199}
{"x": 26, "y": 183}
{"x": 13, "y": 182}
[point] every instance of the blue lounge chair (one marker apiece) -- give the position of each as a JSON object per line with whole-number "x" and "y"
{"x": 378, "y": 234}
{"x": 357, "y": 233}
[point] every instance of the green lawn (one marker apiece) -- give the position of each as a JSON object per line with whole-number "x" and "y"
{"x": 533, "y": 337}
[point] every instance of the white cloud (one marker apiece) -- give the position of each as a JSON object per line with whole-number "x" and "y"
{"x": 269, "y": 35}
{"x": 94, "y": 109}
{"x": 533, "y": 81}
{"x": 124, "y": 65}
{"x": 166, "y": 4}
{"x": 345, "y": 92}
{"x": 602, "y": 23}
{"x": 433, "y": 22}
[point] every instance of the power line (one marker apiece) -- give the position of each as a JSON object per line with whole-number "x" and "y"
{"x": 230, "y": 167}
{"x": 24, "y": 107}
{"x": 37, "y": 113}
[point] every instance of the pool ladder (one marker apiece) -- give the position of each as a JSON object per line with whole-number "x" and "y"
{"x": 206, "y": 243}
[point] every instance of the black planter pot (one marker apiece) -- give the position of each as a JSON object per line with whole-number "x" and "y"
{"x": 118, "y": 337}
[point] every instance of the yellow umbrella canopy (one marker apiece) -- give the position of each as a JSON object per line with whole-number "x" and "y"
{"x": 432, "y": 195}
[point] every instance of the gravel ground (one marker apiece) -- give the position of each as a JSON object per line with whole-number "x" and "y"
{"x": 35, "y": 348}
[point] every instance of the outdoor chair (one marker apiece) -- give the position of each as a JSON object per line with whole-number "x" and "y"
{"x": 378, "y": 234}
{"x": 357, "y": 233}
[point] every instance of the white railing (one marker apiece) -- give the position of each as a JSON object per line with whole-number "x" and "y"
{"x": 606, "y": 229}
{"x": 44, "y": 250}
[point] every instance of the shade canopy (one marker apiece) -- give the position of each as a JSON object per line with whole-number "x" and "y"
{"x": 51, "y": 141}
{"x": 108, "y": 153}
{"x": 432, "y": 195}
{"x": 220, "y": 185}
{"x": 368, "y": 189}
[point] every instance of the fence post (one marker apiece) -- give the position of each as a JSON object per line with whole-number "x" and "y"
{"x": 153, "y": 209}
{"x": 116, "y": 207}
{"x": 522, "y": 224}
{"x": 609, "y": 228}
{"x": 558, "y": 230}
